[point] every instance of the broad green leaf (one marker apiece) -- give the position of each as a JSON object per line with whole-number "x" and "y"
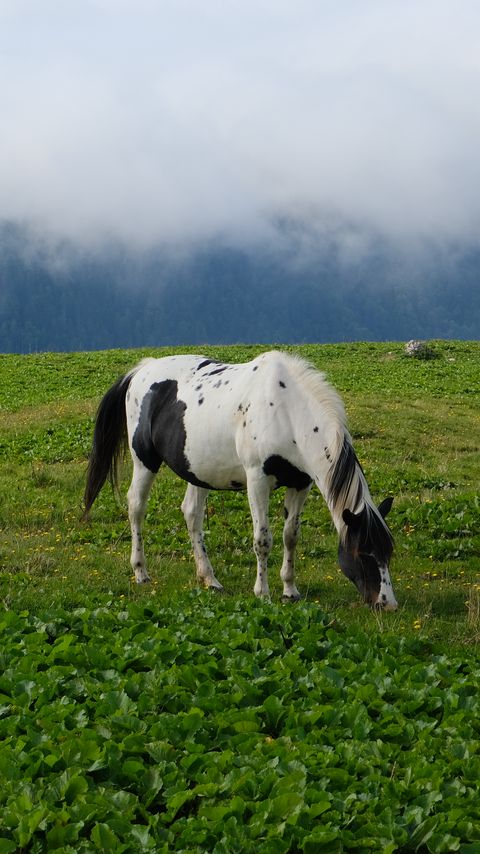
{"x": 319, "y": 807}
{"x": 76, "y": 786}
{"x": 142, "y": 838}
{"x": 324, "y": 840}
{"x": 175, "y": 802}
{"x": 283, "y": 807}
{"x": 423, "y": 832}
{"x": 274, "y": 713}
{"x": 443, "y": 843}
{"x": 104, "y": 839}
{"x": 133, "y": 769}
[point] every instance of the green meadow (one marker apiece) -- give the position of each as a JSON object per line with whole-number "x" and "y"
{"x": 163, "y": 718}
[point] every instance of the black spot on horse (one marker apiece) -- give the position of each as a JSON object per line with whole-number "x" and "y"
{"x": 207, "y": 362}
{"x": 282, "y": 384}
{"x": 218, "y": 371}
{"x": 256, "y": 368}
{"x": 285, "y": 473}
{"x": 315, "y": 429}
{"x": 160, "y": 434}
{"x": 235, "y": 484}
{"x": 200, "y": 401}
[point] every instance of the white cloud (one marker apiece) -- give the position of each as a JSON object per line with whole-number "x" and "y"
{"x": 182, "y": 119}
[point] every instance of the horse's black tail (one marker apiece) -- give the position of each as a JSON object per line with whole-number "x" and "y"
{"x": 109, "y": 438}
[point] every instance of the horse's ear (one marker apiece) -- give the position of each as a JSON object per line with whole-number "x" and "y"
{"x": 385, "y": 507}
{"x": 351, "y": 520}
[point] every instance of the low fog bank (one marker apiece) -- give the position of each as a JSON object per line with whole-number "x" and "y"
{"x": 304, "y": 281}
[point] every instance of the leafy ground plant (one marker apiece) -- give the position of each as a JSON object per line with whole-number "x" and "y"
{"x": 230, "y": 725}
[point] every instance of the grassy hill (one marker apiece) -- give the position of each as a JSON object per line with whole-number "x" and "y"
{"x": 164, "y": 719}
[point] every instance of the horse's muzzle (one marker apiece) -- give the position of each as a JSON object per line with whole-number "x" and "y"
{"x": 383, "y": 603}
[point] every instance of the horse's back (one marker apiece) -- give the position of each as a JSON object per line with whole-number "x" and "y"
{"x": 186, "y": 368}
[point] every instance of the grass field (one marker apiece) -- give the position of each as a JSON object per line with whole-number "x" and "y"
{"x": 71, "y": 613}
{"x": 416, "y": 429}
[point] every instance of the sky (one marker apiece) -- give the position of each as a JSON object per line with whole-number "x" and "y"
{"x": 184, "y": 120}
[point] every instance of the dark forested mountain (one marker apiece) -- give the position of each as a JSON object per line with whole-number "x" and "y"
{"x": 60, "y": 297}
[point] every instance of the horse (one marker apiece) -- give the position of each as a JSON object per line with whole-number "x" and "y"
{"x": 272, "y": 422}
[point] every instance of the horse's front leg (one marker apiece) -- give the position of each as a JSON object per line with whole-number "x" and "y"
{"x": 193, "y": 509}
{"x": 258, "y": 489}
{"x": 138, "y": 493}
{"x": 294, "y": 501}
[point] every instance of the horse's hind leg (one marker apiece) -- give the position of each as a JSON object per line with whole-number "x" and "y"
{"x": 137, "y": 501}
{"x": 294, "y": 501}
{"x": 193, "y": 509}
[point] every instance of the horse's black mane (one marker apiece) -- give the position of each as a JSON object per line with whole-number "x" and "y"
{"x": 347, "y": 491}
{"x": 343, "y": 477}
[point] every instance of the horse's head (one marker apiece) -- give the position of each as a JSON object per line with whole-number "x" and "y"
{"x": 364, "y": 555}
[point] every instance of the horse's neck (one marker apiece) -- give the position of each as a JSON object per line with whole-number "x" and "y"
{"x": 323, "y": 450}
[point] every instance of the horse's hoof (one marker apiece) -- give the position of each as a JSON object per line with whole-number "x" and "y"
{"x": 214, "y": 589}
{"x": 146, "y": 580}
{"x": 286, "y": 600}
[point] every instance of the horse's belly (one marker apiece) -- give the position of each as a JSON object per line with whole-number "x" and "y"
{"x": 214, "y": 461}
{"x": 233, "y": 479}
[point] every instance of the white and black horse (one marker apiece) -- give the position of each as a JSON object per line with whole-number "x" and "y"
{"x": 271, "y": 422}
